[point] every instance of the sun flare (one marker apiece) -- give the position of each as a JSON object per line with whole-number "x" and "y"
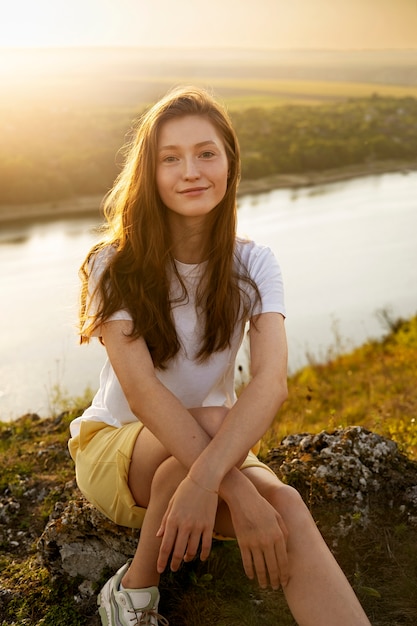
{"x": 264, "y": 24}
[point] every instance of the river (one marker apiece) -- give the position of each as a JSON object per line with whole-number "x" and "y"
{"x": 347, "y": 250}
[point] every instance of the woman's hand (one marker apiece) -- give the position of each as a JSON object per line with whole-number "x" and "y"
{"x": 188, "y": 520}
{"x": 262, "y": 537}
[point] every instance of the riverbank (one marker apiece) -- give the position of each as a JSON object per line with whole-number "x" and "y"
{"x": 90, "y": 205}
{"x": 325, "y": 177}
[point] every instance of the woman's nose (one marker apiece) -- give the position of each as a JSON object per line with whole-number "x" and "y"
{"x": 191, "y": 169}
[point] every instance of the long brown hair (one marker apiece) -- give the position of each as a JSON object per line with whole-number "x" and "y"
{"x": 137, "y": 276}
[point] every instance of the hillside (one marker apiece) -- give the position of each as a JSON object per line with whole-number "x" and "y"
{"x": 374, "y": 386}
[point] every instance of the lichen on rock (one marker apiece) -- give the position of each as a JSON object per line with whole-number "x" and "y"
{"x": 347, "y": 465}
{"x": 80, "y": 541}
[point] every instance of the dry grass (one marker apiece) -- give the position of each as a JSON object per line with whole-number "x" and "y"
{"x": 374, "y": 386}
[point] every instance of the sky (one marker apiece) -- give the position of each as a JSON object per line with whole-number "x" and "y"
{"x": 280, "y": 24}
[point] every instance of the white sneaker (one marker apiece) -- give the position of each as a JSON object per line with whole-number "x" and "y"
{"x": 130, "y": 607}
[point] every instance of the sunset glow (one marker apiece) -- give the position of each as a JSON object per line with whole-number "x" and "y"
{"x": 323, "y": 24}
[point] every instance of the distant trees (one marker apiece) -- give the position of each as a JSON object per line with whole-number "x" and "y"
{"x": 291, "y": 139}
{"x": 47, "y": 155}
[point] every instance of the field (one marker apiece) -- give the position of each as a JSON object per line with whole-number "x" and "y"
{"x": 245, "y": 93}
{"x": 130, "y": 78}
{"x": 133, "y": 93}
{"x": 306, "y": 92}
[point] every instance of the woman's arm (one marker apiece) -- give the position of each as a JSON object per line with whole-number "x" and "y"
{"x": 248, "y": 420}
{"x": 159, "y": 410}
{"x": 165, "y": 416}
{"x": 260, "y": 530}
{"x": 186, "y": 440}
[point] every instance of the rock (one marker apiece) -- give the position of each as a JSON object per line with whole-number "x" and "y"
{"x": 80, "y": 541}
{"x": 361, "y": 475}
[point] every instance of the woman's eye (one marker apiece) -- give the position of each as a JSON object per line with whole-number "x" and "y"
{"x": 207, "y": 154}
{"x": 169, "y": 159}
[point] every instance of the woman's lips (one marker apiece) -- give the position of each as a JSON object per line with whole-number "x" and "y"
{"x": 193, "y": 191}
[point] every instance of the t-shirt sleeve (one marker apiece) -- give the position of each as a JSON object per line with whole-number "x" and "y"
{"x": 92, "y": 325}
{"x": 265, "y": 270}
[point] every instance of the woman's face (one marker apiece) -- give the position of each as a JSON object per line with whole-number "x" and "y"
{"x": 192, "y": 166}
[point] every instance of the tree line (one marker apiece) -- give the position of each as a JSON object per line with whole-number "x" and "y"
{"x": 49, "y": 155}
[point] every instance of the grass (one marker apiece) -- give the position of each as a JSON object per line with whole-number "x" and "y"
{"x": 373, "y": 386}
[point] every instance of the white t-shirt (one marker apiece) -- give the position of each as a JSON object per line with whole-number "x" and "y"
{"x": 195, "y": 384}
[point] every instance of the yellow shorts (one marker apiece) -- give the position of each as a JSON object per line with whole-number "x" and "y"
{"x": 102, "y": 455}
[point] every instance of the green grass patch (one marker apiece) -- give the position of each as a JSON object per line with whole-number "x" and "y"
{"x": 374, "y": 386}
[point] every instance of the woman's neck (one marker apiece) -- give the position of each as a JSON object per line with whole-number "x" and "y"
{"x": 189, "y": 243}
{"x": 188, "y": 256}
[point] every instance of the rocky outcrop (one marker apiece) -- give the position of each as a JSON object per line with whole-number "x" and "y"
{"x": 80, "y": 541}
{"x": 350, "y": 478}
{"x": 351, "y": 465}
{"x": 347, "y": 477}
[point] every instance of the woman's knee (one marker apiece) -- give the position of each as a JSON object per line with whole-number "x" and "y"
{"x": 167, "y": 477}
{"x": 286, "y": 500}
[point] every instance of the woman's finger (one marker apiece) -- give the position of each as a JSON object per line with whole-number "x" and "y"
{"x": 206, "y": 542}
{"x": 169, "y": 534}
{"x": 260, "y": 568}
{"x": 165, "y": 551}
{"x": 192, "y": 546}
{"x": 247, "y": 562}
{"x": 272, "y": 566}
{"x": 178, "y": 553}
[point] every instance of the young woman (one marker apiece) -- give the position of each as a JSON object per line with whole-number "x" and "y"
{"x": 165, "y": 445}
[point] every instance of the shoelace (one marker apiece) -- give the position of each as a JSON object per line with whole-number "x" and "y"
{"x": 145, "y": 618}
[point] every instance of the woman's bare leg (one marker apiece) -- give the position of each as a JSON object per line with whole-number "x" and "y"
{"x": 153, "y": 479}
{"x": 143, "y": 571}
{"x": 318, "y": 592}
